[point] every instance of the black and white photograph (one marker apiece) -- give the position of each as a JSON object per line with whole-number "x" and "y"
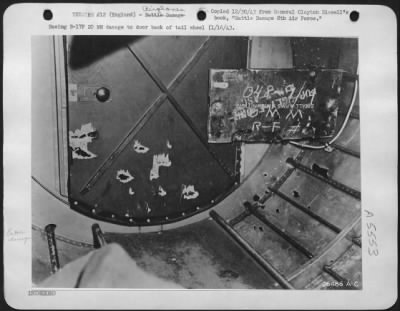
{"x": 196, "y": 162}
{"x": 200, "y": 156}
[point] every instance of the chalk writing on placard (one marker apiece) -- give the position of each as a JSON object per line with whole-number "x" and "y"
{"x": 266, "y": 105}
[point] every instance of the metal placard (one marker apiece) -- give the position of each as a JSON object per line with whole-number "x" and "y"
{"x": 271, "y": 105}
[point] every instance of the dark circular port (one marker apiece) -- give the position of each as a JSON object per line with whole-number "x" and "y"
{"x": 354, "y": 16}
{"x": 103, "y": 94}
{"x": 47, "y": 15}
{"x": 201, "y": 15}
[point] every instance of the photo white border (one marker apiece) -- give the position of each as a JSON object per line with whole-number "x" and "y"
{"x": 377, "y": 33}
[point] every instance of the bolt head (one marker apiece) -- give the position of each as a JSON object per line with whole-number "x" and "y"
{"x": 103, "y": 94}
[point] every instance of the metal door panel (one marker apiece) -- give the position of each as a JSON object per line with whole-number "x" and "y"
{"x": 142, "y": 199}
{"x": 192, "y": 93}
{"x": 167, "y": 55}
{"x": 136, "y": 71}
{"x": 131, "y": 91}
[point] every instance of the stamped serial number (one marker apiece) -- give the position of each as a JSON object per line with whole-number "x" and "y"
{"x": 372, "y": 235}
{"x": 41, "y": 292}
